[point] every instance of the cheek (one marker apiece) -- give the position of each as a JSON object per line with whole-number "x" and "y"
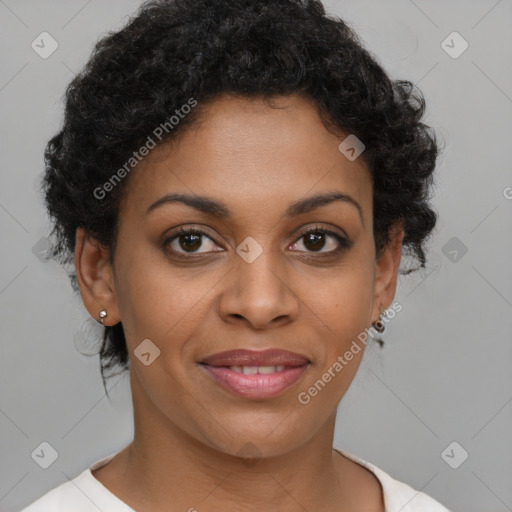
{"x": 158, "y": 301}
{"x": 341, "y": 301}
{"x": 342, "y": 298}
{"x": 342, "y": 306}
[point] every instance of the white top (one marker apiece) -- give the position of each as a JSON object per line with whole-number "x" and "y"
{"x": 87, "y": 494}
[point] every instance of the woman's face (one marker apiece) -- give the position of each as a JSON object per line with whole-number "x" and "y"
{"x": 252, "y": 280}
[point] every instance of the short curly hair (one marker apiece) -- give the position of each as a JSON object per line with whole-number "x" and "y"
{"x": 172, "y": 50}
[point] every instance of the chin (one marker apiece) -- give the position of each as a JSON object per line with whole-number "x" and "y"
{"x": 257, "y": 436}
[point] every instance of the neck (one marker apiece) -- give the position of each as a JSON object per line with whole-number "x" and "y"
{"x": 164, "y": 464}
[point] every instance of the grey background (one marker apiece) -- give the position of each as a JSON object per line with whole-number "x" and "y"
{"x": 444, "y": 374}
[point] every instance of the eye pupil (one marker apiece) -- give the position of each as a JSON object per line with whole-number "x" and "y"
{"x": 317, "y": 240}
{"x": 193, "y": 244}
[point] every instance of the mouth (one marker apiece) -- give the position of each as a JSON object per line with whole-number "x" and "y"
{"x": 256, "y": 374}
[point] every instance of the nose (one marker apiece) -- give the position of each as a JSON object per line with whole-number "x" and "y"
{"x": 259, "y": 294}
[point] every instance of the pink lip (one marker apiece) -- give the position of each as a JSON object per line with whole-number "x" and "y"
{"x": 267, "y": 357}
{"x": 258, "y": 386}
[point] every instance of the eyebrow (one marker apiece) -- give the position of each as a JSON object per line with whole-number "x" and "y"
{"x": 212, "y": 207}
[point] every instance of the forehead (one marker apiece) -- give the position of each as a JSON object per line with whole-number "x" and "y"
{"x": 249, "y": 151}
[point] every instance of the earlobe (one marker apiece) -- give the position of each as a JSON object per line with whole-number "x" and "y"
{"x": 386, "y": 272}
{"x": 95, "y": 278}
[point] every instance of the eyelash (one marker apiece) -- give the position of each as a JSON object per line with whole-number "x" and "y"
{"x": 344, "y": 243}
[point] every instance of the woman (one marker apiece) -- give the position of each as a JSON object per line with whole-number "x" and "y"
{"x": 235, "y": 183}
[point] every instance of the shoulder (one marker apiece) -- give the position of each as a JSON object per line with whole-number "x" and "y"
{"x": 64, "y": 497}
{"x": 398, "y": 496}
{"x": 82, "y": 494}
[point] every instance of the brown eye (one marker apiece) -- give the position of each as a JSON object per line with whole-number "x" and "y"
{"x": 189, "y": 241}
{"x": 316, "y": 239}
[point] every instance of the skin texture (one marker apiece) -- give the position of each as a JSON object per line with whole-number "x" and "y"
{"x": 189, "y": 430}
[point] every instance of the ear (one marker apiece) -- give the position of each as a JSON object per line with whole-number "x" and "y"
{"x": 95, "y": 278}
{"x": 386, "y": 271}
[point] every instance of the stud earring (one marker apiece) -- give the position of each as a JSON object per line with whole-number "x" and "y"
{"x": 102, "y": 316}
{"x": 379, "y": 325}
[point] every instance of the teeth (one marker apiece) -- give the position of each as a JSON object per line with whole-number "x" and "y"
{"x": 267, "y": 369}
{"x": 253, "y": 370}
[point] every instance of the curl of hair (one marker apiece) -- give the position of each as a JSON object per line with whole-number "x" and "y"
{"x": 172, "y": 50}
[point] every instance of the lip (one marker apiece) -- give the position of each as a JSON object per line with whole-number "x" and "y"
{"x": 267, "y": 357}
{"x": 257, "y": 386}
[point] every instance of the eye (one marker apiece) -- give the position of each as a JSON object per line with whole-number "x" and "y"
{"x": 316, "y": 239}
{"x": 190, "y": 241}
{"x": 313, "y": 240}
